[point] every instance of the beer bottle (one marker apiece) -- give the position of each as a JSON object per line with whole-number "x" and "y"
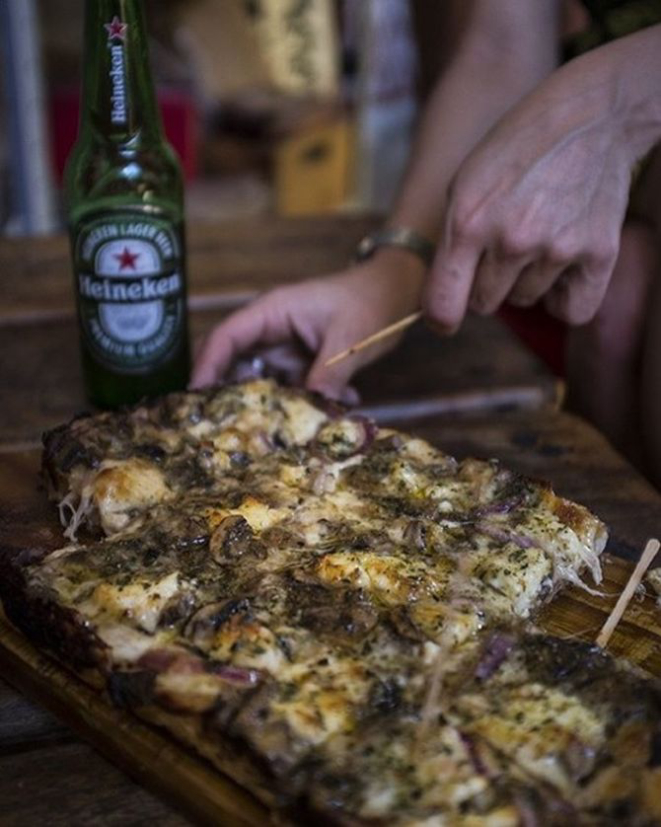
{"x": 124, "y": 194}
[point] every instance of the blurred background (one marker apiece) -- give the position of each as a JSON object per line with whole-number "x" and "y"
{"x": 286, "y": 107}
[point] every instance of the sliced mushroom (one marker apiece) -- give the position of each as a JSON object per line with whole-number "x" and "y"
{"x": 233, "y": 539}
{"x": 206, "y": 622}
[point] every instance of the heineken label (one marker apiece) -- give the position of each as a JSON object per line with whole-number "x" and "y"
{"x": 131, "y": 293}
{"x": 116, "y": 31}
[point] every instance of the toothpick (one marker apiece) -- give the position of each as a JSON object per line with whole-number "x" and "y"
{"x": 637, "y": 575}
{"x": 402, "y": 324}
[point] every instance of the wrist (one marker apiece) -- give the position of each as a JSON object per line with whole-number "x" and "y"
{"x": 399, "y": 260}
{"x": 401, "y": 272}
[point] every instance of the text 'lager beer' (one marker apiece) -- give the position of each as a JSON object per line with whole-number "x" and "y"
{"x": 125, "y": 207}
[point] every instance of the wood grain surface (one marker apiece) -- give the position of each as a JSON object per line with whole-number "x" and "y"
{"x": 562, "y": 449}
{"x": 482, "y": 367}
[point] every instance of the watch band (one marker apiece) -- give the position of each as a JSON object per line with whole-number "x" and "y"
{"x": 396, "y": 237}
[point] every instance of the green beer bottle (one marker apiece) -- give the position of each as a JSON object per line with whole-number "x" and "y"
{"x": 124, "y": 195}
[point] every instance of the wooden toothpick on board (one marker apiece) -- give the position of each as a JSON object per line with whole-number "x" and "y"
{"x": 637, "y": 575}
{"x": 393, "y": 328}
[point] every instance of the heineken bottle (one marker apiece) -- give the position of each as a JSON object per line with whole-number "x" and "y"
{"x": 124, "y": 199}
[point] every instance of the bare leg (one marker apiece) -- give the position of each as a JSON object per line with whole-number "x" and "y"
{"x": 604, "y": 356}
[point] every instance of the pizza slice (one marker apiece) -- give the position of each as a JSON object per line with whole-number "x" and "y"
{"x": 571, "y": 719}
{"x": 532, "y": 730}
{"x": 103, "y": 470}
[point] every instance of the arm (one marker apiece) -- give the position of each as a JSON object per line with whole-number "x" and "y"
{"x": 504, "y": 50}
{"x": 537, "y": 208}
{"x": 506, "y": 47}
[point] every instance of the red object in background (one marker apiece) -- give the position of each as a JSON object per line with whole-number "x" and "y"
{"x": 542, "y": 333}
{"x": 180, "y": 122}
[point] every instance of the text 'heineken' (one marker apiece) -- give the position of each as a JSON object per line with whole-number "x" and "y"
{"x": 125, "y": 206}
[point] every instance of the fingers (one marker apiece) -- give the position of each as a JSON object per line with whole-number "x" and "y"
{"x": 236, "y": 334}
{"x": 494, "y": 280}
{"x": 333, "y": 381}
{"x": 477, "y": 266}
{"x": 534, "y": 281}
{"x": 446, "y": 296}
{"x": 572, "y": 291}
{"x": 577, "y": 294}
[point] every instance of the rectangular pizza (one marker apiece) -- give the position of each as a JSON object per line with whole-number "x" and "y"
{"x": 336, "y": 615}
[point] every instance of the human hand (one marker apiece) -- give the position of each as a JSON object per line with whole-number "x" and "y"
{"x": 536, "y": 209}
{"x": 297, "y": 328}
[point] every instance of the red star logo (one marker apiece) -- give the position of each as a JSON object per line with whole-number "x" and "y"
{"x": 116, "y": 29}
{"x": 126, "y": 259}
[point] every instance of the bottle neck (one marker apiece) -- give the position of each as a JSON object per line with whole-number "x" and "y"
{"x": 119, "y": 102}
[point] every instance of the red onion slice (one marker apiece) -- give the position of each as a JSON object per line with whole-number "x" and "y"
{"x": 237, "y": 675}
{"x": 500, "y": 506}
{"x": 495, "y": 652}
{"x": 470, "y": 744}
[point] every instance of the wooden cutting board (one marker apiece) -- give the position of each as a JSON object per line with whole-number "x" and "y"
{"x": 155, "y": 759}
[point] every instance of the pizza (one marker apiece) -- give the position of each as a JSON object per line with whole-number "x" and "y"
{"x": 653, "y": 578}
{"x": 336, "y": 615}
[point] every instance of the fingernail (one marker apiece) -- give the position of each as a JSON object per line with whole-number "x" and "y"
{"x": 440, "y": 328}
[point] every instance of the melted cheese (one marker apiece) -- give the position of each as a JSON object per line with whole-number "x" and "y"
{"x": 250, "y": 644}
{"x": 302, "y": 420}
{"x": 569, "y": 551}
{"x": 518, "y": 574}
{"x": 259, "y": 515}
{"x": 440, "y": 622}
{"x": 121, "y": 488}
{"x": 140, "y": 605}
{"x": 127, "y": 644}
{"x": 325, "y": 699}
{"x": 536, "y": 724}
{"x": 389, "y": 578}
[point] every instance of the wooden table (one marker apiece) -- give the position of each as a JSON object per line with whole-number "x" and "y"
{"x": 48, "y": 775}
